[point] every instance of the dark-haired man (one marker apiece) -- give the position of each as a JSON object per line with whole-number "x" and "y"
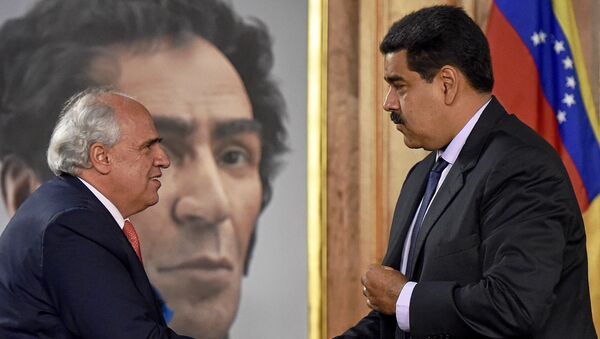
{"x": 205, "y": 76}
{"x": 487, "y": 239}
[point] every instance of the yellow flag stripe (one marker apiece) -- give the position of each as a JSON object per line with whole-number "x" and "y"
{"x": 563, "y": 9}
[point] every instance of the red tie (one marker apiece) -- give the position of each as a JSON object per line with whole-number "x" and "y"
{"x": 132, "y": 236}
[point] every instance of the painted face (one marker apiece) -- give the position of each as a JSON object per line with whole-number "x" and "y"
{"x": 415, "y": 103}
{"x": 195, "y": 241}
{"x": 137, "y": 158}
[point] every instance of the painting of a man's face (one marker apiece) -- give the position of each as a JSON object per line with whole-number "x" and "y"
{"x": 195, "y": 240}
{"x": 207, "y": 72}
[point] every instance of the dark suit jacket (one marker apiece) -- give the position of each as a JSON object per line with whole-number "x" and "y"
{"x": 68, "y": 271}
{"x": 501, "y": 252}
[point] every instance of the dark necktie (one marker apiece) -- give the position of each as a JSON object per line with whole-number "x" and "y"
{"x": 432, "y": 182}
{"x": 132, "y": 236}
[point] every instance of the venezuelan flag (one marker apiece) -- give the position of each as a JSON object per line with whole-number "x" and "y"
{"x": 540, "y": 76}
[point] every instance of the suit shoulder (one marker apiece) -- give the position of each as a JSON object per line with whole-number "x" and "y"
{"x": 513, "y": 140}
{"x": 55, "y": 201}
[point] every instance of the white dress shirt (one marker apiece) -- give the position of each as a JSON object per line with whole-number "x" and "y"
{"x": 109, "y": 205}
{"x": 450, "y": 154}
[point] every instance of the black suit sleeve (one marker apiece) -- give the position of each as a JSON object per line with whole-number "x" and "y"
{"x": 367, "y": 327}
{"x": 92, "y": 289}
{"x": 373, "y": 326}
{"x": 527, "y": 210}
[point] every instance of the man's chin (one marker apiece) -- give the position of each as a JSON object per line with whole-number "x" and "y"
{"x": 411, "y": 143}
{"x": 153, "y": 200}
{"x": 202, "y": 320}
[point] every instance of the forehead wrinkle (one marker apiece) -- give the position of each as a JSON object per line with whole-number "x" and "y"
{"x": 229, "y": 128}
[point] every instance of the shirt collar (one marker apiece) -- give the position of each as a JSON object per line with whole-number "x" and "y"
{"x": 450, "y": 154}
{"x": 109, "y": 205}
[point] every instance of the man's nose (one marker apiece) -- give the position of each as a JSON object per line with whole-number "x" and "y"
{"x": 161, "y": 159}
{"x": 204, "y": 199}
{"x": 391, "y": 102}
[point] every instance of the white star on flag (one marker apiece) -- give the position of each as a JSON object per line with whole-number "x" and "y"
{"x": 559, "y": 46}
{"x": 538, "y": 38}
{"x": 561, "y": 117}
{"x": 571, "y": 82}
{"x": 569, "y": 100}
{"x": 568, "y": 63}
{"x": 542, "y": 37}
{"x": 535, "y": 38}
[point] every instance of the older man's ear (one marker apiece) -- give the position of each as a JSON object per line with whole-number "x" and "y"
{"x": 100, "y": 158}
{"x": 17, "y": 181}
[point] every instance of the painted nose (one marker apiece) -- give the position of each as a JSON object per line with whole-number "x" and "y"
{"x": 205, "y": 201}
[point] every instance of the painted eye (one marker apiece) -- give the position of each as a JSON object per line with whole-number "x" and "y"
{"x": 234, "y": 156}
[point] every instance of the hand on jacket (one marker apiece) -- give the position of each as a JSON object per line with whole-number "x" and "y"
{"x": 381, "y": 287}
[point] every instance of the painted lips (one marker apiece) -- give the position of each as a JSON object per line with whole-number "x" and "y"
{"x": 200, "y": 263}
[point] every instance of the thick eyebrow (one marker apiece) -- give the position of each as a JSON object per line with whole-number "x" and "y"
{"x": 174, "y": 126}
{"x": 393, "y": 78}
{"x": 230, "y": 128}
{"x": 223, "y": 130}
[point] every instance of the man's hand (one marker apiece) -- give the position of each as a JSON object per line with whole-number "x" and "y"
{"x": 382, "y": 286}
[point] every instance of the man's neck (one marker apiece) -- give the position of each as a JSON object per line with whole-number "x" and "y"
{"x": 466, "y": 108}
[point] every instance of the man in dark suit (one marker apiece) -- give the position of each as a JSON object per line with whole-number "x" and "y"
{"x": 487, "y": 240}
{"x": 70, "y": 261}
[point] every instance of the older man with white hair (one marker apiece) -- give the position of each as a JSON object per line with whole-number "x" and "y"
{"x": 70, "y": 261}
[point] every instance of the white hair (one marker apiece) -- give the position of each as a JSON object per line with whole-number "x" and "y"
{"x": 85, "y": 120}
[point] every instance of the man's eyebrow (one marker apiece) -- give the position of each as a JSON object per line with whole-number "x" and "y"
{"x": 229, "y": 128}
{"x": 393, "y": 78}
{"x": 152, "y": 142}
{"x": 174, "y": 125}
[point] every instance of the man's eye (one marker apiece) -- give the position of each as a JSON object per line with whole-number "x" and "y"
{"x": 145, "y": 149}
{"x": 234, "y": 156}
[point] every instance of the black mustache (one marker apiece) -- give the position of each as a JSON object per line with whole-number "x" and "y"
{"x": 396, "y": 118}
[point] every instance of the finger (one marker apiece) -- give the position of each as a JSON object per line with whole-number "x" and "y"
{"x": 369, "y": 304}
{"x": 372, "y": 305}
{"x": 364, "y": 289}
{"x": 363, "y": 280}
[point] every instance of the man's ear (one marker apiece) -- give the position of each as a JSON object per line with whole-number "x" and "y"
{"x": 449, "y": 81}
{"x": 100, "y": 158}
{"x": 18, "y": 180}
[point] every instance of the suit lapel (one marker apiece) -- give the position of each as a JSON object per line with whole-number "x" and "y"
{"x": 406, "y": 207}
{"x": 136, "y": 270}
{"x": 452, "y": 184}
{"x": 455, "y": 179}
{"x": 140, "y": 278}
